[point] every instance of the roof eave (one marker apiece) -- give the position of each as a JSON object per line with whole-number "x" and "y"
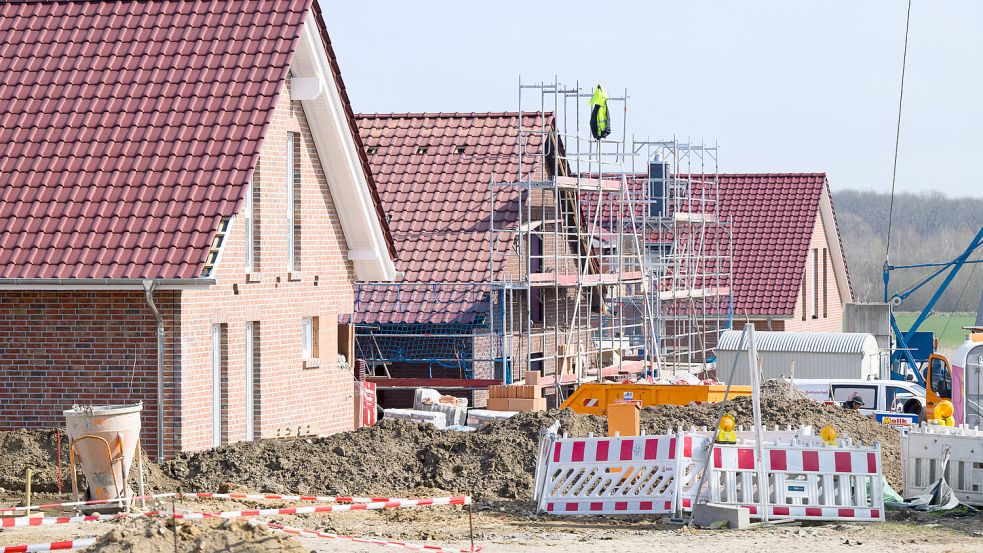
{"x": 68, "y": 284}
{"x": 341, "y": 158}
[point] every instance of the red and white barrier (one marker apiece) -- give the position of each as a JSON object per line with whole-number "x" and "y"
{"x": 386, "y": 543}
{"x": 804, "y": 479}
{"x": 51, "y": 546}
{"x": 608, "y": 475}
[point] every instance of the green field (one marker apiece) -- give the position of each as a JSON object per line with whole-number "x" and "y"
{"x": 954, "y": 333}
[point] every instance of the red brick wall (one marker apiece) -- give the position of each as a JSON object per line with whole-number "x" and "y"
{"x": 61, "y": 348}
{"x": 289, "y": 395}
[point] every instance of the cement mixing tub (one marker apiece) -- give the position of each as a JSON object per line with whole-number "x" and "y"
{"x": 104, "y": 439}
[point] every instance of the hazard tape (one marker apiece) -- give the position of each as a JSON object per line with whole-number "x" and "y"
{"x": 84, "y": 503}
{"x": 18, "y": 522}
{"x": 313, "y": 498}
{"x": 375, "y": 505}
{"x": 51, "y": 546}
{"x": 236, "y": 496}
{"x": 385, "y": 543}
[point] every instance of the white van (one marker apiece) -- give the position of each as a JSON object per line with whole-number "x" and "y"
{"x": 878, "y": 396}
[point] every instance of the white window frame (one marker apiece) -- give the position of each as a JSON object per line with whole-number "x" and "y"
{"x": 250, "y": 218}
{"x": 291, "y": 169}
{"x": 250, "y": 379}
{"x": 216, "y": 385}
{"x": 307, "y": 337}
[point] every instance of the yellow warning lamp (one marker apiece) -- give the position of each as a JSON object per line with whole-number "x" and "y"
{"x": 943, "y": 413}
{"x": 828, "y": 434}
{"x": 725, "y": 431}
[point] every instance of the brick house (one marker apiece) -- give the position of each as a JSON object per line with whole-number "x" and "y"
{"x": 182, "y": 218}
{"x": 442, "y": 320}
{"x": 789, "y": 270}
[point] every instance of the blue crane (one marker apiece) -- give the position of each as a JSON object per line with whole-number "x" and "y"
{"x": 902, "y": 351}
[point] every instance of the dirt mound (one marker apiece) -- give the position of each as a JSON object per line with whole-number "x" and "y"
{"x": 496, "y": 462}
{"x": 392, "y": 458}
{"x": 233, "y": 536}
{"x": 38, "y": 450}
{"x": 781, "y": 388}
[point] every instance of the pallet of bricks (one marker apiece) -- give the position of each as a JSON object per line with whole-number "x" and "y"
{"x": 518, "y": 397}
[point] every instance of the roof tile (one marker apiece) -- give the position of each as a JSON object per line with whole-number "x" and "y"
{"x": 96, "y": 96}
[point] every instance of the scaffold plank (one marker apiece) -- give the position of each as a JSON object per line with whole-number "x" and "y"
{"x": 387, "y": 383}
{"x": 589, "y": 184}
{"x": 689, "y": 293}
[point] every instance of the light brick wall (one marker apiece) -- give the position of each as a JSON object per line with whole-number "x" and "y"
{"x": 62, "y": 348}
{"x": 829, "y": 316}
{"x": 289, "y": 395}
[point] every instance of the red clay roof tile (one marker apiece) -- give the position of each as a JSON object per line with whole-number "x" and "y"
{"x": 109, "y": 110}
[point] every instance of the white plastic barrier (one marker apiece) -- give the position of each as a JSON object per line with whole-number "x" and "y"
{"x": 922, "y": 450}
{"x": 602, "y": 475}
{"x": 805, "y": 479}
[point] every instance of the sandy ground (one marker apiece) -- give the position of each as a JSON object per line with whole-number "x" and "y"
{"x": 519, "y": 530}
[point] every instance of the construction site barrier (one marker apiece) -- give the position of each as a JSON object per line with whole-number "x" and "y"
{"x": 922, "y": 451}
{"x": 374, "y": 541}
{"x": 804, "y": 478}
{"x": 608, "y": 475}
{"x": 66, "y": 545}
{"x": 17, "y": 522}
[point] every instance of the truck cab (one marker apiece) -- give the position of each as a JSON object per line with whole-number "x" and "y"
{"x": 879, "y": 396}
{"x": 967, "y": 380}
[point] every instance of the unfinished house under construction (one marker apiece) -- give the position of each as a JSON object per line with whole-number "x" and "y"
{"x": 526, "y": 244}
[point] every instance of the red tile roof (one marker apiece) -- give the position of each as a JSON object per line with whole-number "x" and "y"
{"x": 129, "y": 129}
{"x": 433, "y": 172}
{"x": 773, "y": 217}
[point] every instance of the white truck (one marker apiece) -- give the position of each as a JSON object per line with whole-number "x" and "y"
{"x": 896, "y": 403}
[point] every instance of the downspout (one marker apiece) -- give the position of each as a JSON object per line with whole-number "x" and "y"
{"x": 148, "y": 288}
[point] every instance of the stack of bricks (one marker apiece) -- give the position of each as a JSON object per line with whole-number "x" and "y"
{"x": 516, "y": 397}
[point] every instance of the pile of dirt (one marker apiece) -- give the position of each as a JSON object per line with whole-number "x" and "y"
{"x": 497, "y": 462}
{"x": 394, "y": 457}
{"x": 233, "y": 536}
{"x": 37, "y": 449}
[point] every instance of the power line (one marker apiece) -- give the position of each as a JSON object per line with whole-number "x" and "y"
{"x": 897, "y": 136}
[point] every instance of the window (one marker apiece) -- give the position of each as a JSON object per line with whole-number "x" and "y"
{"x": 805, "y": 280}
{"x": 252, "y": 379}
{"x": 825, "y": 283}
{"x": 309, "y": 333}
{"x": 219, "y": 383}
{"x": 249, "y": 212}
{"x": 535, "y": 253}
{"x": 868, "y": 394}
{"x": 815, "y": 283}
{"x": 293, "y": 200}
{"x": 537, "y": 313}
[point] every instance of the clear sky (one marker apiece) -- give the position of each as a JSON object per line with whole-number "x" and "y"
{"x": 779, "y": 85}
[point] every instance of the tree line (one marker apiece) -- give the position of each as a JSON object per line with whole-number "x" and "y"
{"x": 927, "y": 228}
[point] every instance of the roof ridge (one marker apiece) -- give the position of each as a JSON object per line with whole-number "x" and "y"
{"x": 448, "y": 114}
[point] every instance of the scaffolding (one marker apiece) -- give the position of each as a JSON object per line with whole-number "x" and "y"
{"x": 607, "y": 259}
{"x": 688, "y": 246}
{"x": 575, "y": 301}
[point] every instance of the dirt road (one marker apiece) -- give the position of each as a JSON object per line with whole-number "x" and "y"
{"x": 521, "y": 531}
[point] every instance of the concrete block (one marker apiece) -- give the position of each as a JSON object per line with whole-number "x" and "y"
{"x": 706, "y": 514}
